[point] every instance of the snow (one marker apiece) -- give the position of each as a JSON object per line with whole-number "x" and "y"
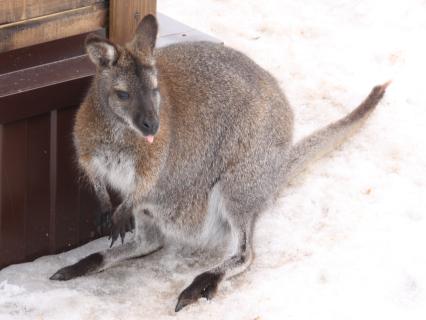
{"x": 346, "y": 239}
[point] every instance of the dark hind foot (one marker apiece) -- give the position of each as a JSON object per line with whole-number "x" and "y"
{"x": 203, "y": 286}
{"x": 84, "y": 266}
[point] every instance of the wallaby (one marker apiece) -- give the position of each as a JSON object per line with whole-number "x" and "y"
{"x": 197, "y": 138}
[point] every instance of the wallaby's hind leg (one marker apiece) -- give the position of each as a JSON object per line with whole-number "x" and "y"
{"x": 205, "y": 284}
{"x": 240, "y": 209}
{"x": 148, "y": 239}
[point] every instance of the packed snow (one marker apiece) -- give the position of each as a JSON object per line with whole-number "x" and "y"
{"x": 347, "y": 238}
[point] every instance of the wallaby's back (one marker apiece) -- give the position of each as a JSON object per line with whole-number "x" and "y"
{"x": 225, "y": 110}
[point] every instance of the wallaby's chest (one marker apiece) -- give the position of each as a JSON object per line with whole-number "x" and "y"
{"x": 117, "y": 169}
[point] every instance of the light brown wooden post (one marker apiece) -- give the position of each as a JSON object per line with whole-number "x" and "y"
{"x": 125, "y": 16}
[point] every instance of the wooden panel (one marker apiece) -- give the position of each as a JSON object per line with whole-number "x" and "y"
{"x": 41, "y": 93}
{"x": 17, "y": 10}
{"x": 13, "y": 192}
{"x": 44, "y": 53}
{"x": 67, "y": 218}
{"x": 37, "y": 220}
{"x": 53, "y": 169}
{"x": 89, "y": 208}
{"x": 125, "y": 16}
{"x": 46, "y": 28}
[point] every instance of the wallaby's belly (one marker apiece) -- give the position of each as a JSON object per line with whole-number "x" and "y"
{"x": 195, "y": 219}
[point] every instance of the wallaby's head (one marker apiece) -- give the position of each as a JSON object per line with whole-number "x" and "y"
{"x": 127, "y": 79}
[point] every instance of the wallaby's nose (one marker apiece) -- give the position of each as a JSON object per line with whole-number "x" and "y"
{"x": 148, "y": 126}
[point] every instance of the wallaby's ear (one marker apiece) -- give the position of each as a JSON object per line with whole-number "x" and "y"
{"x": 102, "y": 52}
{"x": 145, "y": 37}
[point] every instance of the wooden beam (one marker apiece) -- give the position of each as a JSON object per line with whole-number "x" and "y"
{"x": 125, "y": 16}
{"x": 51, "y": 27}
{"x": 18, "y": 10}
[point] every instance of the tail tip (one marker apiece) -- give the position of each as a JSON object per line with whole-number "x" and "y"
{"x": 386, "y": 84}
{"x": 380, "y": 89}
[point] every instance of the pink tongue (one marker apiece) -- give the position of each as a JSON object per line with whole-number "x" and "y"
{"x": 150, "y": 139}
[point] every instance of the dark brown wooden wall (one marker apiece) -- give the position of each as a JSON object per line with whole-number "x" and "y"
{"x": 44, "y": 208}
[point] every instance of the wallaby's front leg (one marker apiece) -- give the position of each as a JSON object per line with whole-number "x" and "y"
{"x": 103, "y": 218}
{"x": 122, "y": 220}
{"x": 148, "y": 239}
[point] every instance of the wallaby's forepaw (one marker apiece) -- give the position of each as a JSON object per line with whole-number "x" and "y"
{"x": 203, "y": 286}
{"x": 122, "y": 222}
{"x": 82, "y": 267}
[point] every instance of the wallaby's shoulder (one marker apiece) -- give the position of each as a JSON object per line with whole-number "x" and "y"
{"x": 87, "y": 127}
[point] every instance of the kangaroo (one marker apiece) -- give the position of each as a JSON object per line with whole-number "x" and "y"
{"x": 197, "y": 139}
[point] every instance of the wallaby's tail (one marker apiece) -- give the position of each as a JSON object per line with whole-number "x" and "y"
{"x": 328, "y": 138}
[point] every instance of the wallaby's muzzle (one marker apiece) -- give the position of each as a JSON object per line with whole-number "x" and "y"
{"x": 148, "y": 126}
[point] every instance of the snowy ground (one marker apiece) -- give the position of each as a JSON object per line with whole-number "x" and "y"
{"x": 346, "y": 240}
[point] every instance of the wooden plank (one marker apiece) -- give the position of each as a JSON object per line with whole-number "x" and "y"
{"x": 89, "y": 208}
{"x": 43, "y": 53}
{"x": 14, "y": 193}
{"x": 41, "y": 89}
{"x": 125, "y": 16}
{"x": 52, "y": 27}
{"x": 18, "y": 10}
{"x": 67, "y": 218}
{"x": 37, "y": 220}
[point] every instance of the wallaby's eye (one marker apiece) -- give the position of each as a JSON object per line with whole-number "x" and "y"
{"x": 122, "y": 95}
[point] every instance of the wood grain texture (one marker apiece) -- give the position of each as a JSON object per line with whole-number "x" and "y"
{"x": 51, "y": 27}
{"x": 18, "y": 10}
{"x": 67, "y": 216}
{"x": 125, "y": 16}
{"x": 38, "y": 187}
{"x": 14, "y": 197}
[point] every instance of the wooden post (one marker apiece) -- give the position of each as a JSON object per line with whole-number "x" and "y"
{"x": 125, "y": 16}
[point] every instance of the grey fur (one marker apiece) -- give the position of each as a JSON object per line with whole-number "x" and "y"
{"x": 221, "y": 155}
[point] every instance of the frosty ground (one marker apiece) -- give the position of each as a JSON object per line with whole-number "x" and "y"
{"x": 346, "y": 239}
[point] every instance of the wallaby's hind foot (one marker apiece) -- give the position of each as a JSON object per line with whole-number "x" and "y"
{"x": 148, "y": 240}
{"x": 82, "y": 267}
{"x": 203, "y": 286}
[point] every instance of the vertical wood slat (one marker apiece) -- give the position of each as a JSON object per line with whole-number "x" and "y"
{"x": 53, "y": 167}
{"x": 125, "y": 16}
{"x": 38, "y": 187}
{"x": 89, "y": 207}
{"x": 14, "y": 195}
{"x": 67, "y": 218}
